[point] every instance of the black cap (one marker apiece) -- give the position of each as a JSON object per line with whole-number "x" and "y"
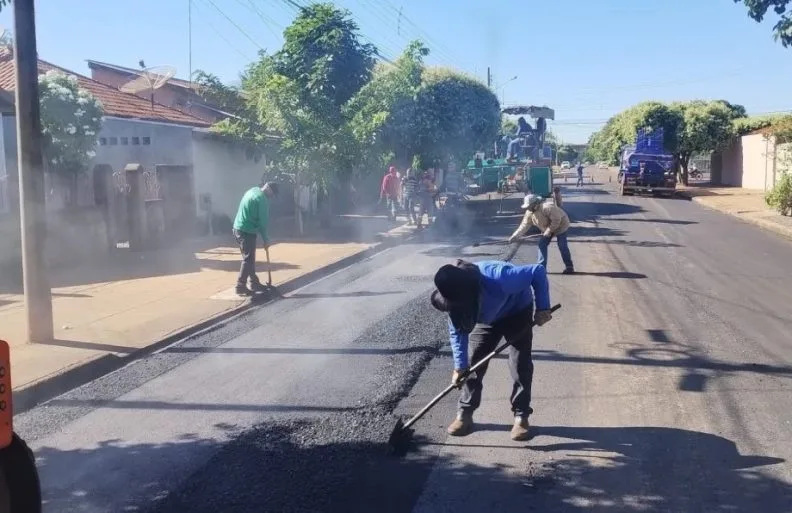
{"x": 457, "y": 293}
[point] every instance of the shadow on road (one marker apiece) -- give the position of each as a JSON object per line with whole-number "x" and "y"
{"x": 656, "y": 221}
{"x": 610, "y": 274}
{"x": 362, "y": 293}
{"x": 630, "y": 243}
{"x": 341, "y": 464}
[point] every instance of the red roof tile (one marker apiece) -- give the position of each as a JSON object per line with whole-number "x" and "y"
{"x": 115, "y": 103}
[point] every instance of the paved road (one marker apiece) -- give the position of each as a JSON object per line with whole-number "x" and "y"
{"x": 663, "y": 385}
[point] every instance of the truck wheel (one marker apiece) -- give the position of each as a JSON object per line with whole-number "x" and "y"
{"x": 20, "y": 489}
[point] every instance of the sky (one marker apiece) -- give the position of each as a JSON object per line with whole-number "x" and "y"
{"x": 586, "y": 59}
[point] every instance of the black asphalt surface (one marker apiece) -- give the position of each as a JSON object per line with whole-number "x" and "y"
{"x": 662, "y": 385}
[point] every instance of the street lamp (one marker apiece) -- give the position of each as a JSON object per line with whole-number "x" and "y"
{"x": 502, "y": 85}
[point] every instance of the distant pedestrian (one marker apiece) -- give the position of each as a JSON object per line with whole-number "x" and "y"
{"x": 426, "y": 198}
{"x": 410, "y": 195}
{"x": 552, "y": 221}
{"x": 252, "y": 220}
{"x": 580, "y": 174}
{"x": 390, "y": 191}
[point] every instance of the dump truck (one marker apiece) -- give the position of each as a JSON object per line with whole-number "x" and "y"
{"x": 646, "y": 167}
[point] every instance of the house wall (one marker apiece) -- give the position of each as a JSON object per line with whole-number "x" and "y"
{"x": 752, "y": 162}
{"x": 222, "y": 170}
{"x": 167, "y": 144}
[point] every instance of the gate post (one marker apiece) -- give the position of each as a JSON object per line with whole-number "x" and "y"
{"x": 136, "y": 206}
{"x": 104, "y": 196}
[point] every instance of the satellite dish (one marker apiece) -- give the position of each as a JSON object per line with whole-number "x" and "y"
{"x": 150, "y": 79}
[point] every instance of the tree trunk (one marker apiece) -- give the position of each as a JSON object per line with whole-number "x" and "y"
{"x": 298, "y": 218}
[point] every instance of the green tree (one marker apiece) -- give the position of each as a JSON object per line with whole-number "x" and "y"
{"x": 393, "y": 87}
{"x": 244, "y": 125}
{"x": 567, "y": 153}
{"x": 782, "y": 30}
{"x": 459, "y": 115}
{"x": 688, "y": 127}
{"x": 322, "y": 53}
{"x": 702, "y": 127}
{"x": 71, "y": 118}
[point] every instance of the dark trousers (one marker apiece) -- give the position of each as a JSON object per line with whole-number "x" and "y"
{"x": 247, "y": 246}
{"x": 517, "y": 330}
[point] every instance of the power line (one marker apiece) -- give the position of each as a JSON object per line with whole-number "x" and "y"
{"x": 268, "y": 22}
{"x": 219, "y": 33}
{"x": 232, "y": 22}
{"x": 438, "y": 50}
{"x": 450, "y": 55}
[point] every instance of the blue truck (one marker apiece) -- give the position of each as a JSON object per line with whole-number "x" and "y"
{"x": 647, "y": 167}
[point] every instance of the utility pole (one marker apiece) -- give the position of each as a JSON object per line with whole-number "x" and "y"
{"x": 489, "y": 77}
{"x": 38, "y": 296}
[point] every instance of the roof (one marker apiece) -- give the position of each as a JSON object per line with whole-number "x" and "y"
{"x": 136, "y": 72}
{"x": 115, "y": 103}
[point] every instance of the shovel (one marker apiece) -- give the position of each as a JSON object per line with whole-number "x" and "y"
{"x": 401, "y": 435}
{"x": 270, "y": 286}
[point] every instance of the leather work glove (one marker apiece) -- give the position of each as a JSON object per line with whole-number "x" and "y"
{"x": 542, "y": 317}
{"x": 548, "y": 234}
{"x": 458, "y": 377}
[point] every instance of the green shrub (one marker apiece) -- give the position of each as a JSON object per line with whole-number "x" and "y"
{"x": 780, "y": 198}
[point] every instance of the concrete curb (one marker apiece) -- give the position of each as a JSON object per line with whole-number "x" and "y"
{"x": 757, "y": 221}
{"x": 32, "y": 395}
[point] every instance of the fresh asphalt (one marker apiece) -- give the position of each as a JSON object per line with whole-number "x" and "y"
{"x": 664, "y": 384}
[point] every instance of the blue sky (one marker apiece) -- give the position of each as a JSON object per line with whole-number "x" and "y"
{"x": 587, "y": 59}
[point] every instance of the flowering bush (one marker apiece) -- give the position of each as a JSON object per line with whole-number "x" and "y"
{"x": 70, "y": 120}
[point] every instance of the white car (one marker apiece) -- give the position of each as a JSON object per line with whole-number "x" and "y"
{"x": 565, "y": 165}
{"x": 602, "y": 165}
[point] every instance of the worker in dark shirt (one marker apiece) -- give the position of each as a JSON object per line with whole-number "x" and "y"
{"x": 485, "y": 302}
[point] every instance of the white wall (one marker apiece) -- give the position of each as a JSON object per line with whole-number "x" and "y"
{"x": 222, "y": 170}
{"x": 757, "y": 161}
{"x": 167, "y": 144}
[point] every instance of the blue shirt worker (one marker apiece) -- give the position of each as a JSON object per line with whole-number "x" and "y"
{"x": 485, "y": 302}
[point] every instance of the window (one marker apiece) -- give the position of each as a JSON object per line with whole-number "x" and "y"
{"x": 125, "y": 141}
{"x": 102, "y": 141}
{"x": 146, "y": 141}
{"x": 112, "y": 141}
{"x": 136, "y": 141}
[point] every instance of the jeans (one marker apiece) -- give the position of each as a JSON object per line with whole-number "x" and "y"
{"x": 580, "y": 179}
{"x": 517, "y": 330}
{"x": 393, "y": 206}
{"x": 247, "y": 246}
{"x": 410, "y": 202}
{"x": 563, "y": 247}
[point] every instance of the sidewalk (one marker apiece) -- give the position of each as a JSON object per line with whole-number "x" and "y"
{"x": 746, "y": 204}
{"x": 136, "y": 300}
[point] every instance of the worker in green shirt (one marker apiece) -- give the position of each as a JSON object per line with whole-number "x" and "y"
{"x": 251, "y": 220}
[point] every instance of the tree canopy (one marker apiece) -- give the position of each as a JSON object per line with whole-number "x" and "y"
{"x": 782, "y": 29}
{"x": 70, "y": 120}
{"x": 688, "y": 128}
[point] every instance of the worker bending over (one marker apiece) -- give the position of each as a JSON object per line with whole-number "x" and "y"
{"x": 552, "y": 221}
{"x": 485, "y": 302}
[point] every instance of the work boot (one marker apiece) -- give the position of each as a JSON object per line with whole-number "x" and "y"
{"x": 462, "y": 425}
{"x": 569, "y": 270}
{"x": 519, "y": 431}
{"x": 242, "y": 290}
{"x": 257, "y": 286}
